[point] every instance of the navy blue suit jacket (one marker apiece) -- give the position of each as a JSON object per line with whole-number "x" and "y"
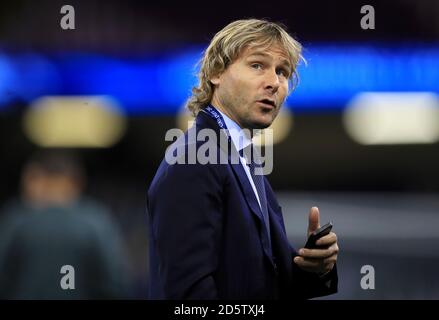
{"x": 208, "y": 239}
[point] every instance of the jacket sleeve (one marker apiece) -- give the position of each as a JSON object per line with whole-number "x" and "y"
{"x": 304, "y": 285}
{"x": 185, "y": 212}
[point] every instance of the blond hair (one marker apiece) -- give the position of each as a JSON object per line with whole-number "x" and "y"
{"x": 228, "y": 43}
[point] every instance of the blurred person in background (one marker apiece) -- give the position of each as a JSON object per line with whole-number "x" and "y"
{"x": 217, "y": 230}
{"x": 52, "y": 226}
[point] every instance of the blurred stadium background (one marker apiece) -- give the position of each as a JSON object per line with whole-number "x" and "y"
{"x": 358, "y": 138}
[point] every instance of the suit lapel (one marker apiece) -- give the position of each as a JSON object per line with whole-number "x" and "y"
{"x": 254, "y": 206}
{"x": 205, "y": 121}
{"x": 279, "y": 239}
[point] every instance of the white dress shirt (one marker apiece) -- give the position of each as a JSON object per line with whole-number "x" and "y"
{"x": 240, "y": 140}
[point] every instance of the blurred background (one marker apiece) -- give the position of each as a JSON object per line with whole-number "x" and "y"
{"x": 358, "y": 138}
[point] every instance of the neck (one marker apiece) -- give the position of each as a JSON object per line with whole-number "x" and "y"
{"x": 247, "y": 132}
{"x": 215, "y": 102}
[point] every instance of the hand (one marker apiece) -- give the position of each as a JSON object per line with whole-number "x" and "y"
{"x": 322, "y": 259}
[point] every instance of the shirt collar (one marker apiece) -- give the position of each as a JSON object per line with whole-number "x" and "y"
{"x": 239, "y": 138}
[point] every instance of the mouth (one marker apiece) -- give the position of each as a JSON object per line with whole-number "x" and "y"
{"x": 268, "y": 103}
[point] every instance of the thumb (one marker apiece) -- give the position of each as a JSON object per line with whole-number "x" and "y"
{"x": 314, "y": 220}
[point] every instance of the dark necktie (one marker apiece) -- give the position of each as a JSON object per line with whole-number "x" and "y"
{"x": 254, "y": 163}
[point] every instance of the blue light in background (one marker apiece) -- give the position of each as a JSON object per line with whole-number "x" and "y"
{"x": 27, "y": 76}
{"x": 148, "y": 85}
{"x": 6, "y": 80}
{"x": 334, "y": 74}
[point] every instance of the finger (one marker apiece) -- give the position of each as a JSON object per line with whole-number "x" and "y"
{"x": 308, "y": 264}
{"x": 327, "y": 240}
{"x": 318, "y": 253}
{"x": 313, "y": 220}
{"x": 328, "y": 267}
{"x": 330, "y": 261}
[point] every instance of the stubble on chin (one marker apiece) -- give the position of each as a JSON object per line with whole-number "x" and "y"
{"x": 252, "y": 125}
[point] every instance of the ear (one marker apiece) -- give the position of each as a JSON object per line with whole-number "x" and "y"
{"x": 216, "y": 79}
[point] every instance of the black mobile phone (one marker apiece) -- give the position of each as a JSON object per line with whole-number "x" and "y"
{"x": 320, "y": 232}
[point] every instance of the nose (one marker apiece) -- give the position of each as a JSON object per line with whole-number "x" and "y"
{"x": 272, "y": 81}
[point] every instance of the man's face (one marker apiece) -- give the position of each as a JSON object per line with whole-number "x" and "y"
{"x": 253, "y": 88}
{"x": 41, "y": 188}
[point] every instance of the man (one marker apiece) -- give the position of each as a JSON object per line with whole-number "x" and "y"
{"x": 53, "y": 225}
{"x": 216, "y": 230}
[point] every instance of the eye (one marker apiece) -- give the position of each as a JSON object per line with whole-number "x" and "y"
{"x": 256, "y": 65}
{"x": 282, "y": 72}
